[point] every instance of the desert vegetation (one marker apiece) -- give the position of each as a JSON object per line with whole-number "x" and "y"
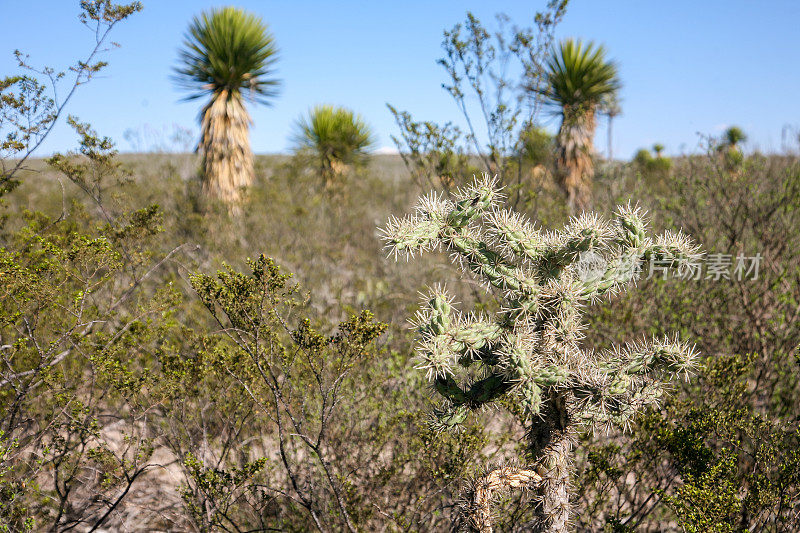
{"x": 166, "y": 365}
{"x": 529, "y": 353}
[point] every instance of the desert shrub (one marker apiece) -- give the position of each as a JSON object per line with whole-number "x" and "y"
{"x": 113, "y": 376}
{"x": 643, "y": 157}
{"x": 537, "y": 146}
{"x": 432, "y": 154}
{"x": 74, "y": 309}
{"x": 721, "y": 456}
{"x": 538, "y": 154}
{"x": 305, "y": 429}
{"x": 29, "y": 102}
{"x": 57, "y": 468}
{"x": 646, "y": 163}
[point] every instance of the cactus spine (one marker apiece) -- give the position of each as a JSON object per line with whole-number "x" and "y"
{"x": 530, "y": 351}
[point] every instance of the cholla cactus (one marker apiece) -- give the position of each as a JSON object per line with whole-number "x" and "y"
{"x": 530, "y": 351}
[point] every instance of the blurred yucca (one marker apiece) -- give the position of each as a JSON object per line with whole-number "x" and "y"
{"x": 734, "y": 135}
{"x": 228, "y": 54}
{"x": 335, "y": 137}
{"x": 580, "y": 80}
{"x": 729, "y": 148}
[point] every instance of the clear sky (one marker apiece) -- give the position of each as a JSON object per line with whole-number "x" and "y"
{"x": 688, "y": 67}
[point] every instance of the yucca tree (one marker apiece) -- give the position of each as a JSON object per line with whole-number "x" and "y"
{"x": 579, "y": 80}
{"x": 658, "y": 148}
{"x": 228, "y": 56}
{"x": 733, "y": 136}
{"x": 732, "y": 156}
{"x": 335, "y": 137}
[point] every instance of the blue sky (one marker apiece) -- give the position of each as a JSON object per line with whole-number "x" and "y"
{"x": 687, "y": 67}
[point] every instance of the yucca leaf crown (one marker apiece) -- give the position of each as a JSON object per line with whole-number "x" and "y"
{"x": 734, "y": 135}
{"x": 335, "y": 130}
{"x": 228, "y": 50}
{"x": 579, "y": 74}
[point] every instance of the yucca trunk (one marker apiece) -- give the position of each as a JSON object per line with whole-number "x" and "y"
{"x": 332, "y": 169}
{"x": 225, "y": 144}
{"x": 574, "y": 167}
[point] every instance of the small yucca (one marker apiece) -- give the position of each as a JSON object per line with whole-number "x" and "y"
{"x": 734, "y": 135}
{"x": 730, "y": 150}
{"x": 336, "y": 138}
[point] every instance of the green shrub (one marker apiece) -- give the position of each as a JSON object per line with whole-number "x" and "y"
{"x": 538, "y": 147}
{"x": 721, "y": 455}
{"x": 431, "y": 153}
{"x": 643, "y": 157}
{"x": 658, "y": 165}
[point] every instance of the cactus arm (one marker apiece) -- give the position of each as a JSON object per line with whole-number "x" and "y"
{"x": 486, "y": 263}
{"x": 666, "y": 356}
{"x": 620, "y": 270}
{"x": 460, "y": 401}
{"x": 413, "y": 233}
{"x": 479, "y": 393}
{"x": 516, "y": 236}
{"x": 635, "y": 249}
{"x": 446, "y": 339}
{"x": 671, "y": 248}
{"x": 473, "y": 202}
